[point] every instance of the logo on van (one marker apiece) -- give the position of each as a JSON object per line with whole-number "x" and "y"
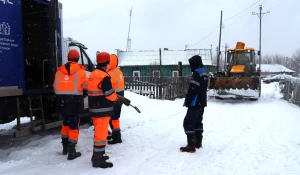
{"x": 4, "y": 28}
{"x": 6, "y": 1}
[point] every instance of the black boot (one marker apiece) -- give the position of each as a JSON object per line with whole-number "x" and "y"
{"x": 72, "y": 152}
{"x": 109, "y": 136}
{"x": 65, "y": 146}
{"x": 105, "y": 157}
{"x": 99, "y": 161}
{"x": 199, "y": 138}
{"x": 191, "y": 145}
{"x": 116, "y": 138}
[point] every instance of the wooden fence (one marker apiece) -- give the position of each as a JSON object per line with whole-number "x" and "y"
{"x": 291, "y": 90}
{"x": 167, "y": 88}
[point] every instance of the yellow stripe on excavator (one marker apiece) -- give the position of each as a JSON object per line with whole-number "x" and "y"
{"x": 237, "y": 69}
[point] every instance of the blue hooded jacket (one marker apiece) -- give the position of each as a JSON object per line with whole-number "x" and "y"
{"x": 197, "y": 92}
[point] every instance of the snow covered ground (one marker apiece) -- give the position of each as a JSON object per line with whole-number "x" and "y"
{"x": 12, "y": 124}
{"x": 240, "y": 137}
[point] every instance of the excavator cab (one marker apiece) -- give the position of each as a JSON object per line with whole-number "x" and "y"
{"x": 241, "y": 62}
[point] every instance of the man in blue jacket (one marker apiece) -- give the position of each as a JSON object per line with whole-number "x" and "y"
{"x": 195, "y": 100}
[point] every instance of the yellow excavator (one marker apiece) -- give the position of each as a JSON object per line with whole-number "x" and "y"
{"x": 240, "y": 79}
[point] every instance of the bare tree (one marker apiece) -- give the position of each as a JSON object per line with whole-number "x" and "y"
{"x": 296, "y": 62}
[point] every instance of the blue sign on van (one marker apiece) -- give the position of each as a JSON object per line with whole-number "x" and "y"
{"x": 11, "y": 44}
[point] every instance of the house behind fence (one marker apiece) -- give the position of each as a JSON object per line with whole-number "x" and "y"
{"x": 163, "y": 63}
{"x": 274, "y": 69}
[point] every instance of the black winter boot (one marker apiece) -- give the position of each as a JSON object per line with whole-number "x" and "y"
{"x": 105, "y": 157}
{"x": 99, "y": 161}
{"x": 116, "y": 138}
{"x": 199, "y": 138}
{"x": 65, "y": 145}
{"x": 72, "y": 152}
{"x": 191, "y": 145}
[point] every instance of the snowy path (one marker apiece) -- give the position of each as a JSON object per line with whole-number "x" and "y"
{"x": 240, "y": 137}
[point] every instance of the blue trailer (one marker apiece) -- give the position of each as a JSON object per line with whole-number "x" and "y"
{"x": 30, "y": 52}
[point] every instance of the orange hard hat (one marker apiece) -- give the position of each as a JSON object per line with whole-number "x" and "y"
{"x": 73, "y": 54}
{"x": 103, "y": 57}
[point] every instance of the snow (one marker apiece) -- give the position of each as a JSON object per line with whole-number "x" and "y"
{"x": 234, "y": 93}
{"x": 10, "y": 125}
{"x": 274, "y": 68}
{"x": 168, "y": 57}
{"x": 240, "y": 137}
{"x": 280, "y": 76}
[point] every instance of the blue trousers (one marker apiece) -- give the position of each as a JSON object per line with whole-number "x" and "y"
{"x": 193, "y": 121}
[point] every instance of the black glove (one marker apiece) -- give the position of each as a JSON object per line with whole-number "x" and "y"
{"x": 85, "y": 93}
{"x": 123, "y": 100}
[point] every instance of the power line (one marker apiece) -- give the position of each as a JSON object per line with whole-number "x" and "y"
{"x": 224, "y": 21}
{"x": 278, "y": 5}
{"x": 241, "y": 11}
{"x": 226, "y": 28}
{"x": 241, "y": 17}
{"x": 250, "y": 19}
{"x": 205, "y": 36}
{"x": 264, "y": 2}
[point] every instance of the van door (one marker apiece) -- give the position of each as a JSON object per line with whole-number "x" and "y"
{"x": 37, "y": 39}
{"x": 55, "y": 48}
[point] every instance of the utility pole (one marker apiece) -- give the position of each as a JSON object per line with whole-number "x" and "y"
{"x": 225, "y": 59}
{"x": 260, "y": 16}
{"x": 159, "y": 61}
{"x": 211, "y": 52}
{"x": 128, "y": 48}
{"x": 186, "y": 46}
{"x": 219, "y": 52}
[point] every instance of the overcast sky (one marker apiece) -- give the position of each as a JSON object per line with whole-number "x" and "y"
{"x": 103, "y": 24}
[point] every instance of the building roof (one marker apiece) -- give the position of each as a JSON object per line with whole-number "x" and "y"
{"x": 168, "y": 57}
{"x": 274, "y": 68}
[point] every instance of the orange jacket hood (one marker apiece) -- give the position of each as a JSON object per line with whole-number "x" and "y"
{"x": 71, "y": 68}
{"x": 113, "y": 62}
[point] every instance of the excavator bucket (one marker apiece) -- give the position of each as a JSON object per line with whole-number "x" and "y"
{"x": 234, "y": 87}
